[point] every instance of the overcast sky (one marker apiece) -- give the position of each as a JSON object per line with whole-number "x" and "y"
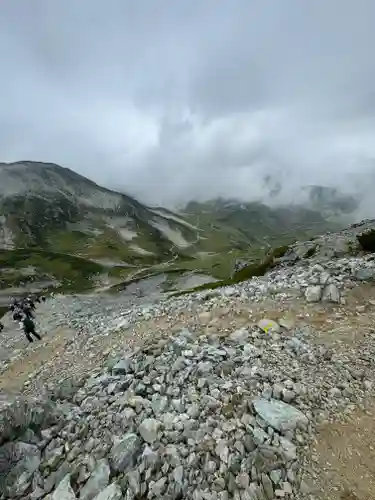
{"x": 176, "y": 99}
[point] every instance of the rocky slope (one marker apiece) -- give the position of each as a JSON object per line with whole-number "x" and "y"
{"x": 221, "y": 394}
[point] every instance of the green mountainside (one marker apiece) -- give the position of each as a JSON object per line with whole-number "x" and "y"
{"x": 50, "y": 209}
{"x": 60, "y": 230}
{"x": 235, "y": 225}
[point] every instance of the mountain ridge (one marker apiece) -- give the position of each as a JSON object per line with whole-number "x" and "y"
{"x": 54, "y": 211}
{"x": 71, "y": 198}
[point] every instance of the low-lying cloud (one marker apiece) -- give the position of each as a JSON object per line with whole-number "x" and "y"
{"x": 178, "y": 100}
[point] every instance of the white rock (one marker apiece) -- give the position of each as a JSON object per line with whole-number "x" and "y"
{"x": 287, "y": 488}
{"x": 239, "y": 336}
{"x": 288, "y": 395}
{"x": 64, "y": 491}
{"x": 158, "y": 488}
{"x": 317, "y": 268}
{"x": 98, "y": 480}
{"x": 290, "y": 451}
{"x": 281, "y": 416}
{"x": 148, "y": 429}
{"x": 111, "y": 492}
{"x": 331, "y": 293}
{"x": 313, "y": 293}
{"x": 334, "y": 392}
{"x": 367, "y": 385}
{"x": 222, "y": 451}
{"x": 178, "y": 475}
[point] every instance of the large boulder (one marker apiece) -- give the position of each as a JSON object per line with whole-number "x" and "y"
{"x": 279, "y": 415}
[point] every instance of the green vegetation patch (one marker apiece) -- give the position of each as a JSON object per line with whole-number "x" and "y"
{"x": 258, "y": 268}
{"x": 74, "y": 273}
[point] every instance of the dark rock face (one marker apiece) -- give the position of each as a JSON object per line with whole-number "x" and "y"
{"x": 367, "y": 240}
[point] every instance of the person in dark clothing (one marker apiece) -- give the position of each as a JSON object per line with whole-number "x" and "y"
{"x": 27, "y": 311}
{"x": 29, "y": 329}
{"x": 43, "y": 298}
{"x": 31, "y": 304}
{"x": 1, "y": 327}
{"x": 17, "y": 316}
{"x": 14, "y": 305}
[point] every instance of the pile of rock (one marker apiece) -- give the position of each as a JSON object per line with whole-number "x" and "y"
{"x": 354, "y": 240}
{"x": 194, "y": 416}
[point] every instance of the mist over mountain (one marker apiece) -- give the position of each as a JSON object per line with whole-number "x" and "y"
{"x": 172, "y": 101}
{"x": 63, "y": 229}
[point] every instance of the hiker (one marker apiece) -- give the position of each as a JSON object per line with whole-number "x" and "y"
{"x": 30, "y": 303}
{"x": 27, "y": 310}
{"x": 13, "y": 306}
{"x": 29, "y": 328}
{"x": 1, "y": 327}
{"x": 17, "y": 315}
{"x": 43, "y": 298}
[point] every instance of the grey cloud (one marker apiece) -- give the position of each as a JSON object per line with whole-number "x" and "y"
{"x": 174, "y": 100}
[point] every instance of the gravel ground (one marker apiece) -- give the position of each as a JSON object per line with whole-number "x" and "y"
{"x": 232, "y": 393}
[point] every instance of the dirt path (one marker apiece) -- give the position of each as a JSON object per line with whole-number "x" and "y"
{"x": 14, "y": 378}
{"x": 65, "y": 354}
{"x": 344, "y": 459}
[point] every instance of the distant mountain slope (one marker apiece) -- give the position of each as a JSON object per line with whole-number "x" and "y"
{"x": 54, "y": 208}
{"x": 60, "y": 229}
{"x": 330, "y": 201}
{"x": 252, "y": 223}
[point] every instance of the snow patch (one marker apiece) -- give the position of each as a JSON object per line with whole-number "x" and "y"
{"x": 193, "y": 280}
{"x": 174, "y": 235}
{"x": 6, "y": 235}
{"x": 119, "y": 225}
{"x": 167, "y": 215}
{"x": 127, "y": 234}
{"x": 140, "y": 250}
{"x": 111, "y": 263}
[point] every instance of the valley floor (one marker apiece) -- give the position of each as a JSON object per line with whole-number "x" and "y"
{"x": 339, "y": 462}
